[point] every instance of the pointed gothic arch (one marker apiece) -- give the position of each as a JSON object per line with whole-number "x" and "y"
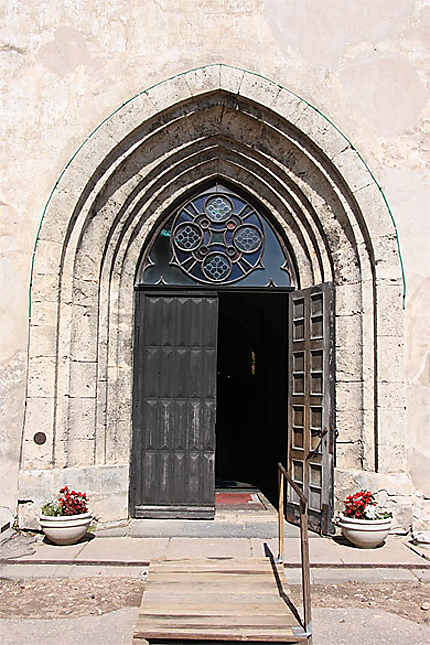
{"x": 213, "y": 122}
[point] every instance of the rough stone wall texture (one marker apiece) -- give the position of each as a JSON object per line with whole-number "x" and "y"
{"x": 65, "y": 66}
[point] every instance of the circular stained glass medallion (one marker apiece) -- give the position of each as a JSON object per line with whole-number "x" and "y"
{"x": 247, "y": 239}
{"x": 187, "y": 236}
{"x": 218, "y": 208}
{"x": 217, "y": 238}
{"x": 216, "y": 267}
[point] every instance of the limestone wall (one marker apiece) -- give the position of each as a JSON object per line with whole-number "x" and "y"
{"x": 66, "y": 66}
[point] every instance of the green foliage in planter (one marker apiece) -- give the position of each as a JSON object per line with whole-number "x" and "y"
{"x": 53, "y": 509}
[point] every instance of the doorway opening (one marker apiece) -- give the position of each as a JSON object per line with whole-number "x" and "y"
{"x": 252, "y": 388}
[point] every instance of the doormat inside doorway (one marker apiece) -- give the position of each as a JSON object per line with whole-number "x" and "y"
{"x": 238, "y": 500}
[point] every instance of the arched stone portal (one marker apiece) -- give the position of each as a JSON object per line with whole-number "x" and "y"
{"x": 216, "y": 121}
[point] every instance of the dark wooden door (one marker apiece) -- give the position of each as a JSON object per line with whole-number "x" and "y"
{"x": 311, "y": 403}
{"x": 174, "y": 401}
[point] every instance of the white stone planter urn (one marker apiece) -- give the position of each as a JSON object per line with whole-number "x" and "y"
{"x": 65, "y": 529}
{"x": 366, "y": 534}
{"x": 65, "y": 519}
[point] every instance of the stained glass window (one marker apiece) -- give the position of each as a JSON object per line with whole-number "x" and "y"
{"x": 216, "y": 238}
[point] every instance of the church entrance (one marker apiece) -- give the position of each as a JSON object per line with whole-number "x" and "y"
{"x": 229, "y": 194}
{"x": 233, "y": 366}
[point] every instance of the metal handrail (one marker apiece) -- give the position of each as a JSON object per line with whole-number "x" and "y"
{"x": 304, "y": 541}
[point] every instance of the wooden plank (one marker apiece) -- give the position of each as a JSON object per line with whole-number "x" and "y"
{"x": 213, "y": 567}
{"x": 213, "y": 578}
{"x": 214, "y": 626}
{"x": 187, "y": 606}
{"x": 217, "y": 597}
{"x": 226, "y": 595}
{"x": 220, "y": 571}
{"x": 193, "y": 587}
{"x": 213, "y": 573}
{"x": 218, "y": 620}
{"x": 264, "y": 636}
{"x": 243, "y": 610}
{"x": 218, "y": 564}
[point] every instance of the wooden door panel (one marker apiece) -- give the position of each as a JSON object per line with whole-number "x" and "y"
{"x": 311, "y": 402}
{"x": 172, "y": 419}
{"x": 174, "y": 405}
{"x": 185, "y": 370}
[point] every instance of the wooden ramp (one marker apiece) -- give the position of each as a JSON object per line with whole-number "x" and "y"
{"x": 217, "y": 601}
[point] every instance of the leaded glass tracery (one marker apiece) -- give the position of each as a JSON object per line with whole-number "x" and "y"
{"x": 216, "y": 238}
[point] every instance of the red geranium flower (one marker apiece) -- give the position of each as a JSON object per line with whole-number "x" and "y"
{"x": 355, "y": 505}
{"x": 73, "y": 503}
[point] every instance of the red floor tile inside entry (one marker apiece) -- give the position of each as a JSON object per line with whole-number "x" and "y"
{"x": 235, "y": 498}
{"x": 242, "y": 500}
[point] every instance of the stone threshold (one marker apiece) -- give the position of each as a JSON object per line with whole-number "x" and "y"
{"x": 235, "y": 525}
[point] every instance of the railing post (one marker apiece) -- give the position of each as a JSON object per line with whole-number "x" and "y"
{"x": 281, "y": 486}
{"x": 306, "y": 582}
{"x": 304, "y": 543}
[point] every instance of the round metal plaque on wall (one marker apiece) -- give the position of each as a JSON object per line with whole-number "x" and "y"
{"x": 39, "y": 438}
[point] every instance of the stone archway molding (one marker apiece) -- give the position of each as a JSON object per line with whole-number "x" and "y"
{"x": 204, "y": 80}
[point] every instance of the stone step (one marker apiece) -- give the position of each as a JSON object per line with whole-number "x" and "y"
{"x": 237, "y": 528}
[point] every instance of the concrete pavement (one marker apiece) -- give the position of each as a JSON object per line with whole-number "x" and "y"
{"x": 339, "y": 626}
{"x": 331, "y": 559}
